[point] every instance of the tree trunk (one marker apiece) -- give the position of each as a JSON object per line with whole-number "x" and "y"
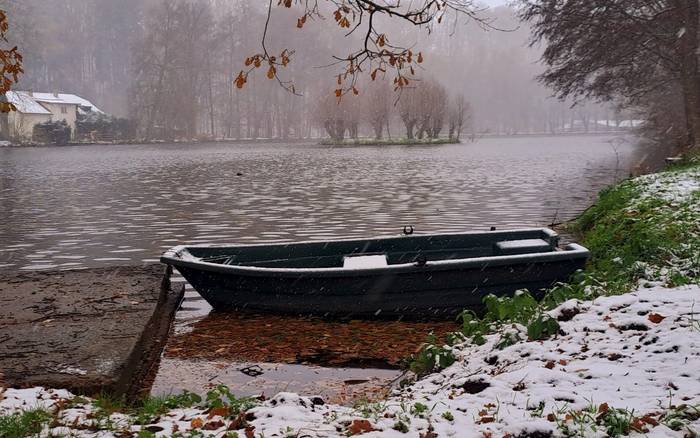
{"x": 690, "y": 74}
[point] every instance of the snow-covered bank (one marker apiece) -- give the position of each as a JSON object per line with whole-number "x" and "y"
{"x": 629, "y": 363}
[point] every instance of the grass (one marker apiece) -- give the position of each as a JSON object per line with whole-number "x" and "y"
{"x": 679, "y": 417}
{"x": 617, "y": 422}
{"x": 24, "y": 424}
{"x": 505, "y": 314}
{"x": 634, "y": 232}
{"x": 639, "y": 230}
{"x": 218, "y": 401}
{"x": 370, "y": 408}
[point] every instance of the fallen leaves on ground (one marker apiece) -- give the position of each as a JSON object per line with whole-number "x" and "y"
{"x": 656, "y": 318}
{"x": 196, "y": 423}
{"x": 360, "y": 426}
{"x": 279, "y": 339}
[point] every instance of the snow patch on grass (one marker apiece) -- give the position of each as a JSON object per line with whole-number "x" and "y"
{"x": 675, "y": 187}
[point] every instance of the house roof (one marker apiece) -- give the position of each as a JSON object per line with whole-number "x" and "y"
{"x": 65, "y": 99}
{"x": 25, "y": 103}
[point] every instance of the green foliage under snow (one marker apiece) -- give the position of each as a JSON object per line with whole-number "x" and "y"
{"x": 645, "y": 230}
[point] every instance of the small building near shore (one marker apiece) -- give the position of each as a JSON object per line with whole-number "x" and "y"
{"x": 35, "y": 108}
{"x": 28, "y": 113}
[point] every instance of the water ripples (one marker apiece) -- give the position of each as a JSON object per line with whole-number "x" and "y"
{"x": 65, "y": 208}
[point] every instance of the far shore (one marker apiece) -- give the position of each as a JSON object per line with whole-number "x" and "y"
{"x": 364, "y": 141}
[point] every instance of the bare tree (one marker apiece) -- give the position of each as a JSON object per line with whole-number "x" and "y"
{"x": 423, "y": 107}
{"x": 338, "y": 118}
{"x": 621, "y": 49}
{"x": 172, "y": 68}
{"x": 409, "y": 110}
{"x": 377, "y": 107}
{"x": 435, "y": 105}
{"x": 459, "y": 116}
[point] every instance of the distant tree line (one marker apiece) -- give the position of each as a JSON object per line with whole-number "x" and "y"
{"x": 170, "y": 66}
{"x": 423, "y": 110}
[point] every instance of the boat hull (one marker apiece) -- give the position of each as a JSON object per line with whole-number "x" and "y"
{"x": 419, "y": 277}
{"x": 422, "y": 294}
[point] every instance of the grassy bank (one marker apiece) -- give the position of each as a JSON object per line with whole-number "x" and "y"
{"x": 389, "y": 142}
{"x": 644, "y": 231}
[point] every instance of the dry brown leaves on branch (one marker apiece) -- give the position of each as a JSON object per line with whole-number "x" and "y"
{"x": 10, "y": 64}
{"x": 376, "y": 54}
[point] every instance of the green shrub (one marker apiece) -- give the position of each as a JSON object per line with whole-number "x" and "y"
{"x": 432, "y": 357}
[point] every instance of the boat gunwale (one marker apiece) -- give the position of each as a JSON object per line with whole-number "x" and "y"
{"x": 572, "y": 251}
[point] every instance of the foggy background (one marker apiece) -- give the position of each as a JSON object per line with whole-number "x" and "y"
{"x": 170, "y": 65}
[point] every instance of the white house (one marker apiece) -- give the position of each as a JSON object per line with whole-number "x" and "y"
{"x": 34, "y": 108}
{"x": 20, "y": 123}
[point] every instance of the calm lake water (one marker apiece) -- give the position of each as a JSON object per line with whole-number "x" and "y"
{"x": 84, "y": 206}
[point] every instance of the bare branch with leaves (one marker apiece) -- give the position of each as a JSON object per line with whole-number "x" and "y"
{"x": 377, "y": 55}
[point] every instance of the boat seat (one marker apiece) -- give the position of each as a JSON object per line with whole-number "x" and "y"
{"x": 524, "y": 246}
{"x": 365, "y": 261}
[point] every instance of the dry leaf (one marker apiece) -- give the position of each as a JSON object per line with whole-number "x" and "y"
{"x": 359, "y": 427}
{"x": 220, "y": 412}
{"x": 656, "y": 318}
{"x": 213, "y": 425}
{"x": 648, "y": 419}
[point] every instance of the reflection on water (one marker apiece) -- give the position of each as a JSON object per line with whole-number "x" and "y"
{"x": 104, "y": 205}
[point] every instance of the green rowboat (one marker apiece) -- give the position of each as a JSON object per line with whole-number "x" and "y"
{"x": 415, "y": 276}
